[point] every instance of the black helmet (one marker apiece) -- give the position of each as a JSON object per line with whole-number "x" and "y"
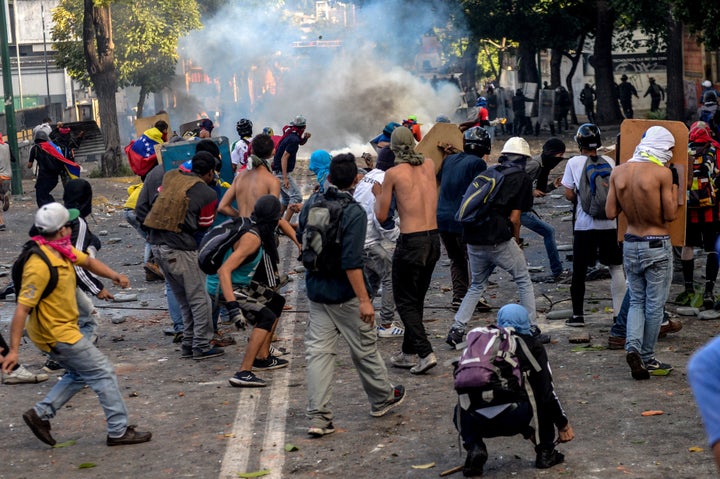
{"x": 244, "y": 128}
{"x": 476, "y": 141}
{"x": 588, "y": 137}
{"x": 709, "y": 97}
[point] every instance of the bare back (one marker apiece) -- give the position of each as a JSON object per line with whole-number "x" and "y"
{"x": 249, "y": 185}
{"x": 415, "y": 189}
{"x": 645, "y": 193}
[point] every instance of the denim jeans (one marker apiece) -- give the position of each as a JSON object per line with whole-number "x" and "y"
{"x": 619, "y": 327}
{"x": 378, "y": 269}
{"x": 85, "y": 364}
{"x": 326, "y": 323}
{"x": 289, "y": 195}
{"x": 174, "y": 309}
{"x": 533, "y": 222}
{"x": 483, "y": 260}
{"x": 187, "y": 283}
{"x": 413, "y": 263}
{"x": 649, "y": 272}
{"x": 459, "y": 268}
{"x": 86, "y": 318}
{"x": 132, "y": 221}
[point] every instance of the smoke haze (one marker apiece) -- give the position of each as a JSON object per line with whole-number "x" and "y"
{"x": 347, "y": 94}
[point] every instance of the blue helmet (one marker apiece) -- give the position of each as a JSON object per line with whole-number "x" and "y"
{"x": 481, "y": 101}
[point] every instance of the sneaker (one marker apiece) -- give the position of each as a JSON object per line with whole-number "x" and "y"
{"x": 222, "y": 340}
{"x": 669, "y": 326}
{"x": 3, "y": 227}
{"x": 22, "y": 376}
{"x": 455, "y": 305}
{"x": 131, "y": 436}
{"x": 315, "y": 431}
{"x": 153, "y": 272}
{"x": 684, "y": 298}
{"x": 199, "y": 355}
{"x": 576, "y": 321}
{"x": 398, "y": 397}
{"x": 475, "y": 461}
{"x": 51, "y": 366}
{"x": 6, "y": 201}
{"x": 402, "y": 360}
{"x": 656, "y": 368}
{"x": 392, "y": 331}
{"x": 8, "y": 290}
{"x": 186, "y": 352}
{"x": 483, "y": 306}
{"x": 561, "y": 277}
{"x": 708, "y": 300}
{"x": 39, "y": 427}
{"x": 271, "y": 362}
{"x": 246, "y": 379}
{"x": 170, "y": 332}
{"x": 277, "y": 352}
{"x": 616, "y": 342}
{"x": 424, "y": 364}
{"x": 546, "y": 459}
{"x": 637, "y": 367}
{"x": 455, "y": 337}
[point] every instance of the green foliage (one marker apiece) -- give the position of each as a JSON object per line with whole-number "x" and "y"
{"x": 701, "y": 17}
{"x": 656, "y": 115}
{"x": 145, "y": 35}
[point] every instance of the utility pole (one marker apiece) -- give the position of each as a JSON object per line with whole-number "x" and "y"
{"x": 9, "y": 102}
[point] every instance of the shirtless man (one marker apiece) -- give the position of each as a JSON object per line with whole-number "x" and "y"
{"x": 250, "y": 184}
{"x": 412, "y": 182}
{"x": 647, "y": 193}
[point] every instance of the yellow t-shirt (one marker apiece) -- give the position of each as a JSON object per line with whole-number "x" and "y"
{"x": 55, "y": 318}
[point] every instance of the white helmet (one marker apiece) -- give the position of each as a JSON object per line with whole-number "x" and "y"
{"x": 707, "y": 83}
{"x": 517, "y": 146}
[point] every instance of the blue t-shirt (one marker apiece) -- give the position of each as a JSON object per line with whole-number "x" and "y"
{"x": 704, "y": 377}
{"x": 291, "y": 144}
{"x": 241, "y": 276}
{"x": 455, "y": 175}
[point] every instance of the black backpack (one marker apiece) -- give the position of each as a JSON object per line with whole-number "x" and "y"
{"x": 218, "y": 241}
{"x": 30, "y": 248}
{"x": 476, "y": 203}
{"x": 321, "y": 248}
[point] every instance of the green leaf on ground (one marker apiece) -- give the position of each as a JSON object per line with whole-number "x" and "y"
{"x": 260, "y": 473}
{"x": 86, "y": 465}
{"x": 291, "y": 447}
{"x": 71, "y": 442}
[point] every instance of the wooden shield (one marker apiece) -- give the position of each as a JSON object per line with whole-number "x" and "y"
{"x": 145, "y": 123}
{"x": 440, "y": 133}
{"x": 631, "y": 132}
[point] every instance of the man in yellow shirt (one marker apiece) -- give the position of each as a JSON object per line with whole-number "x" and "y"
{"x": 53, "y": 327}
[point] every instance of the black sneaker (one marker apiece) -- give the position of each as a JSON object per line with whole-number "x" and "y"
{"x": 246, "y": 379}
{"x": 131, "y": 436}
{"x": 9, "y": 289}
{"x": 547, "y": 458}
{"x": 637, "y": 367}
{"x": 455, "y": 305}
{"x": 656, "y": 368}
{"x": 398, "y": 397}
{"x": 199, "y": 355}
{"x": 708, "y": 300}
{"x": 186, "y": 352}
{"x": 39, "y": 427}
{"x": 51, "y": 366}
{"x": 483, "y": 306}
{"x": 315, "y": 431}
{"x": 271, "y": 362}
{"x": 576, "y": 321}
{"x": 475, "y": 461}
{"x": 455, "y": 337}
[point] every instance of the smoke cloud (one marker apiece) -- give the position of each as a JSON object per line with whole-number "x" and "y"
{"x": 347, "y": 94}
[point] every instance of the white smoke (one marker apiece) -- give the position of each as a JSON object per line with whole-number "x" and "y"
{"x": 347, "y": 94}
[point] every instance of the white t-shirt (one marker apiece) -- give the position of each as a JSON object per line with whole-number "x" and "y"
{"x": 571, "y": 181}
{"x": 239, "y": 154}
{"x": 363, "y": 194}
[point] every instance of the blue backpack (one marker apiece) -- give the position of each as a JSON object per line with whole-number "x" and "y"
{"x": 476, "y": 203}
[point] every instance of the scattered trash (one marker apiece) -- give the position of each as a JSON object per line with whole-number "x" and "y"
{"x": 71, "y": 442}
{"x": 133, "y": 394}
{"x": 423, "y": 466}
{"x": 695, "y": 449}
{"x": 581, "y": 338}
{"x": 654, "y": 412}
{"x": 291, "y": 448}
{"x": 113, "y": 240}
{"x": 262, "y": 472}
{"x": 103, "y": 233}
{"x": 86, "y": 465}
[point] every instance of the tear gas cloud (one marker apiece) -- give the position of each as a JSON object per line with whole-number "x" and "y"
{"x": 347, "y": 94}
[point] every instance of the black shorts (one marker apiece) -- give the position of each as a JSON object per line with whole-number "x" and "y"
{"x": 701, "y": 235}
{"x": 593, "y": 245}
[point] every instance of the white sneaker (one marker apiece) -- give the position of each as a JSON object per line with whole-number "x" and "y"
{"x": 425, "y": 364}
{"x": 21, "y": 376}
{"x": 402, "y": 360}
{"x": 392, "y": 331}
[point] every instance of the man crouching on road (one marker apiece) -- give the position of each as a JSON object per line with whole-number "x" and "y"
{"x": 53, "y": 327}
{"x": 412, "y": 182}
{"x": 647, "y": 192}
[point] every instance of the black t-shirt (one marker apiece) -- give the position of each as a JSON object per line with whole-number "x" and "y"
{"x": 289, "y": 144}
{"x": 515, "y": 194}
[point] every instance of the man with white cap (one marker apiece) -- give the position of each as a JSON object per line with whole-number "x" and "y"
{"x": 646, "y": 191}
{"x": 495, "y": 242}
{"x": 53, "y": 327}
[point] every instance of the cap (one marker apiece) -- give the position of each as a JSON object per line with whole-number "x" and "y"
{"x": 53, "y": 216}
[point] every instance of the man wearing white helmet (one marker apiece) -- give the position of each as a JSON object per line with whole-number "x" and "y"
{"x": 495, "y": 242}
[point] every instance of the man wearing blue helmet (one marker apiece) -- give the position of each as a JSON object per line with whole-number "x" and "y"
{"x": 481, "y": 119}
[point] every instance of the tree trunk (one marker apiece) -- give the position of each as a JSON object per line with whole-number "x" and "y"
{"x": 141, "y": 101}
{"x": 675, "y": 92}
{"x": 528, "y": 66}
{"x": 608, "y": 109}
{"x": 100, "y": 58}
{"x": 469, "y": 62}
{"x": 575, "y": 60}
{"x": 555, "y": 62}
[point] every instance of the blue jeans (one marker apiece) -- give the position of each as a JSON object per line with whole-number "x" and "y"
{"x": 533, "y": 222}
{"x": 86, "y": 318}
{"x": 291, "y": 195}
{"x": 378, "y": 269}
{"x": 649, "y": 272}
{"x": 619, "y": 327}
{"x": 132, "y": 221}
{"x": 483, "y": 260}
{"x": 85, "y": 364}
{"x": 174, "y": 309}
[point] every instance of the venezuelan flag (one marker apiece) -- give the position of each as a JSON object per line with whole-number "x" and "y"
{"x": 51, "y": 149}
{"x": 141, "y": 152}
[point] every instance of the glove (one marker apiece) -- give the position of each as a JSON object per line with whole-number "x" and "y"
{"x": 235, "y": 314}
{"x": 675, "y": 177}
